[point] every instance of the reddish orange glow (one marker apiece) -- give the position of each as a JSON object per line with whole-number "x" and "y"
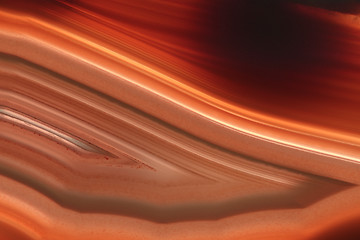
{"x": 192, "y": 119}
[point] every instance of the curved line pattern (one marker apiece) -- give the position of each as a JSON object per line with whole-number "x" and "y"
{"x": 178, "y": 119}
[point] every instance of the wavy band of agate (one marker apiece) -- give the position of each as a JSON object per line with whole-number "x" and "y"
{"x": 179, "y": 119}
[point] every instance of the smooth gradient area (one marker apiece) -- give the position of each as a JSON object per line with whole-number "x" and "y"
{"x": 191, "y": 119}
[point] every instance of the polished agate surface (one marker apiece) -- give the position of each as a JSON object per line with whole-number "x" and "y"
{"x": 179, "y": 119}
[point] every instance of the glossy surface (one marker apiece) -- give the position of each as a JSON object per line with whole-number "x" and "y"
{"x": 186, "y": 119}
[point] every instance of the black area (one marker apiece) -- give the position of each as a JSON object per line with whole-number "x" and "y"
{"x": 261, "y": 31}
{"x": 349, "y": 230}
{"x": 270, "y": 48}
{"x": 343, "y": 6}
